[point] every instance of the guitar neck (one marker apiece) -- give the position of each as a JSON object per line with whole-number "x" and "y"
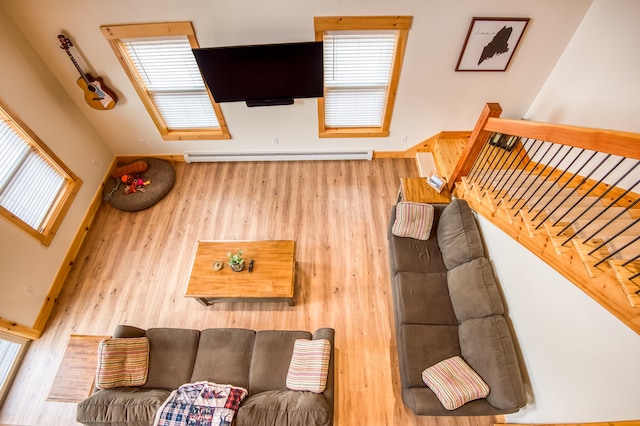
{"x": 77, "y": 65}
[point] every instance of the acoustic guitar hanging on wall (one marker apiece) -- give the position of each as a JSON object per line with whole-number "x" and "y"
{"x": 96, "y": 95}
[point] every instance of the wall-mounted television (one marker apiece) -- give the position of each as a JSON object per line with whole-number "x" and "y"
{"x": 266, "y": 74}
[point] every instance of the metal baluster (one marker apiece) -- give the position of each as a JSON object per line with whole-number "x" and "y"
{"x": 563, "y": 187}
{"x": 515, "y": 157}
{"x": 583, "y": 181}
{"x": 496, "y": 169}
{"x": 537, "y": 164}
{"x": 541, "y": 173}
{"x": 633, "y": 259}
{"x": 612, "y": 220}
{"x": 475, "y": 163}
{"x": 615, "y": 252}
{"x": 519, "y": 162}
{"x": 620, "y": 197}
{"x": 483, "y": 153}
{"x": 557, "y": 180}
{"x": 524, "y": 169}
{"x": 490, "y": 148}
{"x": 589, "y": 192}
{"x": 549, "y": 175}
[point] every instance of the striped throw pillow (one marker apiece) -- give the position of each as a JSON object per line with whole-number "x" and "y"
{"x": 454, "y": 382}
{"x": 413, "y": 220}
{"x": 122, "y": 362}
{"x": 309, "y": 365}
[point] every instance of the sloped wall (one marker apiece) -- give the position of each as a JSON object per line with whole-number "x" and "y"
{"x": 27, "y": 267}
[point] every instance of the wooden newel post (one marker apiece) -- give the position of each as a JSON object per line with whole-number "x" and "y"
{"x": 476, "y": 141}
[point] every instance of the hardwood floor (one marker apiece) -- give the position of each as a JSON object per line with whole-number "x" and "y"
{"x": 134, "y": 266}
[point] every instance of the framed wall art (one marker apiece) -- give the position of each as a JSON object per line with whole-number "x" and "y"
{"x": 490, "y": 43}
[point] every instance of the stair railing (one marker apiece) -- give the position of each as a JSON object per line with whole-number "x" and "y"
{"x": 579, "y": 183}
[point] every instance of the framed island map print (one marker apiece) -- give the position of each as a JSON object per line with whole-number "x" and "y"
{"x": 490, "y": 43}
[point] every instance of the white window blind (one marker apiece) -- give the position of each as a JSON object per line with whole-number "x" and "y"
{"x": 168, "y": 70}
{"x": 357, "y": 71}
{"x": 29, "y": 185}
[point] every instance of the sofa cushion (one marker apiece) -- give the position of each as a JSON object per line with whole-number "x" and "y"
{"x": 420, "y": 346}
{"x": 423, "y": 298}
{"x": 458, "y": 235}
{"x": 487, "y": 347}
{"x": 285, "y": 407}
{"x": 309, "y": 365}
{"x": 122, "y": 362}
{"x": 454, "y": 382}
{"x": 413, "y": 220}
{"x": 121, "y": 406}
{"x": 172, "y": 352}
{"x": 272, "y": 350}
{"x": 473, "y": 290}
{"x": 224, "y": 356}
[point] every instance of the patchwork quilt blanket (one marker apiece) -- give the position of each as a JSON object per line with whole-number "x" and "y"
{"x": 200, "y": 404}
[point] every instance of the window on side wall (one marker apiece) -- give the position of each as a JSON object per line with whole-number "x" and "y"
{"x": 36, "y": 188}
{"x": 362, "y": 62}
{"x": 160, "y": 64}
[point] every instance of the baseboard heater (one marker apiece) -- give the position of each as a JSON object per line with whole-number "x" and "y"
{"x": 208, "y": 157}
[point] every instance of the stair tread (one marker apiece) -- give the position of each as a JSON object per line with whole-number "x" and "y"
{"x": 611, "y": 229}
{"x": 628, "y": 252}
{"x": 552, "y": 202}
{"x": 559, "y": 213}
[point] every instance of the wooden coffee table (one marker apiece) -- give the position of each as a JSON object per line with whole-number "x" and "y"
{"x": 272, "y": 277}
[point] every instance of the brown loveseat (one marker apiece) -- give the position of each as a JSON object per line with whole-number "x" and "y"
{"x": 447, "y": 304}
{"x": 255, "y": 360}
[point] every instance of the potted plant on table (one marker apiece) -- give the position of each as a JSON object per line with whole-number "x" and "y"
{"x": 236, "y": 262}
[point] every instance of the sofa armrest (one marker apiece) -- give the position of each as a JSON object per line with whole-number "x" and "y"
{"x": 328, "y": 333}
{"x": 128, "y": 331}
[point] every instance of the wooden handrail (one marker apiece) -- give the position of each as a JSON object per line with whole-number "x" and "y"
{"x": 624, "y": 144}
{"x": 476, "y": 141}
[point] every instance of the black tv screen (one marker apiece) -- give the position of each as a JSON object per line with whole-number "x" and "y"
{"x": 267, "y": 74}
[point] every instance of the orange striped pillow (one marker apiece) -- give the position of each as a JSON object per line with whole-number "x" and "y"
{"x": 413, "y": 220}
{"x": 122, "y": 362}
{"x": 309, "y": 365}
{"x": 454, "y": 382}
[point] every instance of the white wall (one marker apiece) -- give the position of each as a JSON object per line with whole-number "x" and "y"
{"x": 595, "y": 83}
{"x": 431, "y": 96}
{"x": 27, "y": 267}
{"x": 578, "y": 359}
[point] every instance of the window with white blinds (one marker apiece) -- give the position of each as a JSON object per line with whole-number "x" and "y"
{"x": 362, "y": 61}
{"x": 32, "y": 186}
{"x": 159, "y": 61}
{"x": 170, "y": 74}
{"x": 357, "y": 70}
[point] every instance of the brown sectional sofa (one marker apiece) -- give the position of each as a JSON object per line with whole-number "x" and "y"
{"x": 447, "y": 303}
{"x": 255, "y": 360}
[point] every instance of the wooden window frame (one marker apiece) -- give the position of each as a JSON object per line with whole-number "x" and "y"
{"x": 70, "y": 189}
{"x": 346, "y": 23}
{"x": 113, "y": 34}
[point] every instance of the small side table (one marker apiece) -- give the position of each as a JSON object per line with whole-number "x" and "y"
{"x": 418, "y": 190}
{"x": 75, "y": 377}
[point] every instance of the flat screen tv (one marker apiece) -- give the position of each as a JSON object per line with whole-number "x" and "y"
{"x": 267, "y": 74}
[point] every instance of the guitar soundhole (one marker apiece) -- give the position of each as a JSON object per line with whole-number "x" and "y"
{"x": 91, "y": 88}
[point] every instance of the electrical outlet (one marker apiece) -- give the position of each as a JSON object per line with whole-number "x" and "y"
{"x": 404, "y": 139}
{"x": 274, "y": 141}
